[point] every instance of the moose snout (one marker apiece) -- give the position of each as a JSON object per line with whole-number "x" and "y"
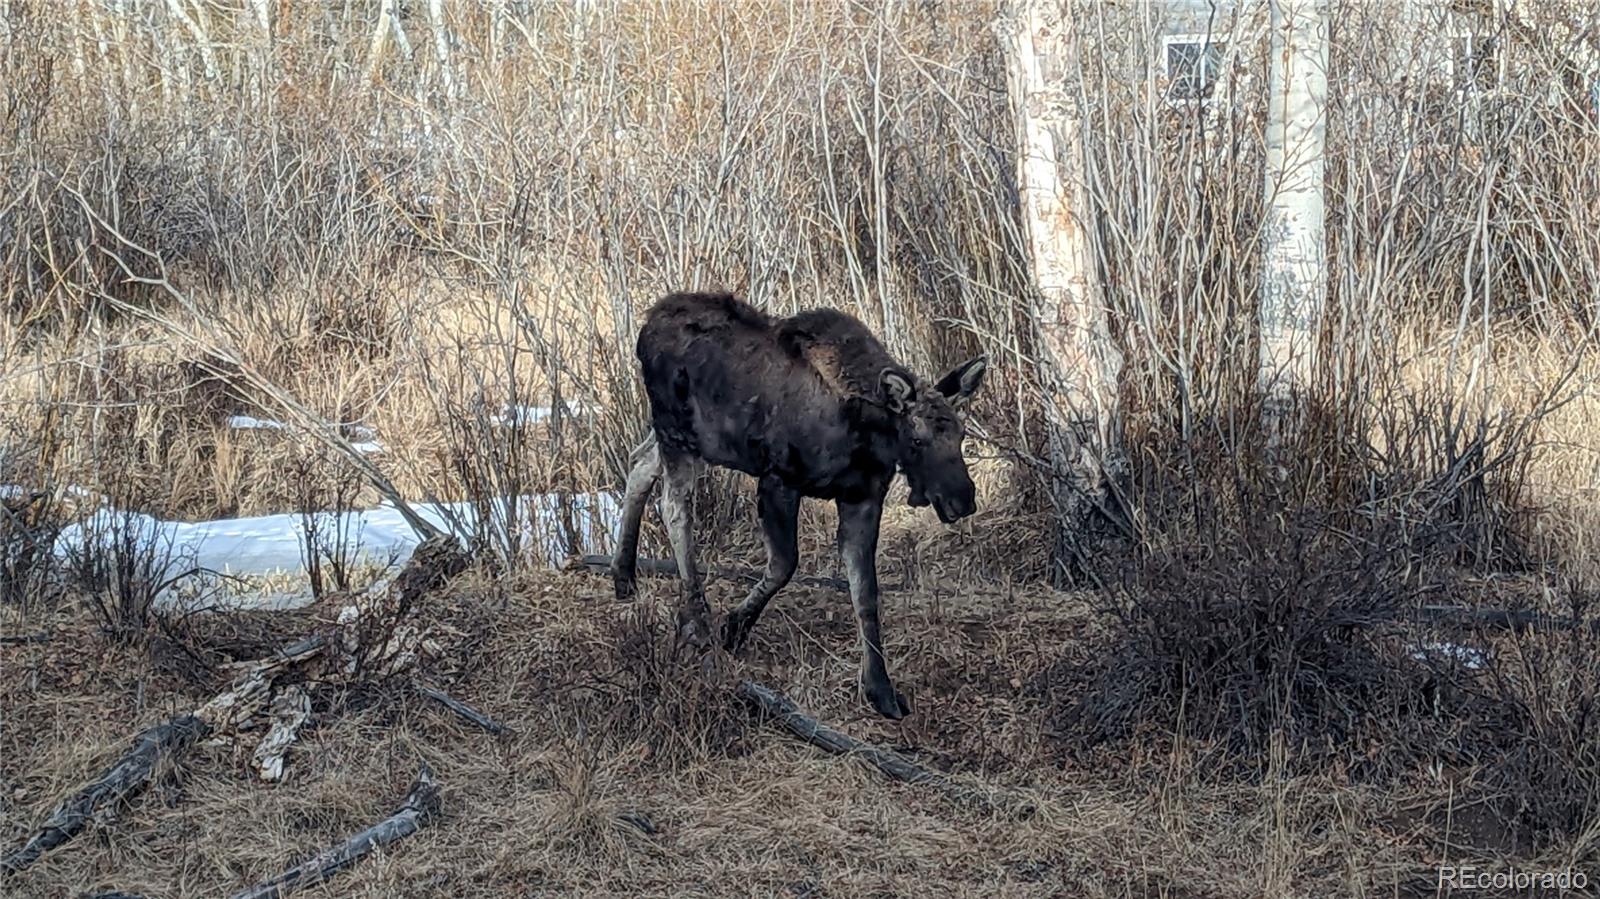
{"x": 957, "y": 505}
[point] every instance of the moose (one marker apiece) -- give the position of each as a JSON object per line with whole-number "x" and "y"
{"x": 811, "y": 406}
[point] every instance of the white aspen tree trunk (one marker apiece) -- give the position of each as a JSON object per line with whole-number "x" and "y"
{"x": 441, "y": 48}
{"x": 1079, "y": 364}
{"x": 379, "y": 45}
{"x": 497, "y": 34}
{"x": 80, "y": 68}
{"x": 173, "y": 65}
{"x": 122, "y": 38}
{"x": 1294, "y": 249}
{"x": 95, "y": 11}
{"x": 262, "y": 80}
{"x": 208, "y": 56}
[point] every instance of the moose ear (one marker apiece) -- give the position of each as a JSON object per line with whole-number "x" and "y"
{"x": 898, "y": 390}
{"x": 963, "y": 381}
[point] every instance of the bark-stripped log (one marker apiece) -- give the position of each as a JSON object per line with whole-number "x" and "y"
{"x": 420, "y": 807}
{"x": 466, "y": 712}
{"x": 376, "y": 639}
{"x": 1519, "y": 620}
{"x": 123, "y": 780}
{"x": 291, "y": 709}
{"x": 600, "y": 564}
{"x": 782, "y": 709}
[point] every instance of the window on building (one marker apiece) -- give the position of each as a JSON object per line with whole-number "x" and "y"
{"x": 1193, "y": 64}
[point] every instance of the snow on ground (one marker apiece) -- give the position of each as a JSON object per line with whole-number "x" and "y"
{"x": 1467, "y": 657}
{"x": 274, "y": 544}
{"x": 17, "y": 491}
{"x": 251, "y": 423}
{"x": 365, "y": 439}
{"x": 532, "y": 415}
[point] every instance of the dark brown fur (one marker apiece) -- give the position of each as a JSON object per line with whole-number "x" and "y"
{"x": 811, "y": 405}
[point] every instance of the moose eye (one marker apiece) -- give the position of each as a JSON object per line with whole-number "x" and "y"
{"x": 919, "y": 441}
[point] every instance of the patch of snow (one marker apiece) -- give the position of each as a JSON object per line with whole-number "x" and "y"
{"x": 1468, "y": 657}
{"x": 274, "y": 544}
{"x": 250, "y": 423}
{"x": 365, "y": 439}
{"x": 19, "y": 491}
{"x": 531, "y": 415}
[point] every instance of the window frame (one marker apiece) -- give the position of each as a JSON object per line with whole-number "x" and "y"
{"x": 1207, "y": 43}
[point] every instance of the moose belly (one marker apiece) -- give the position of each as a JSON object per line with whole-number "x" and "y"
{"x": 818, "y": 458}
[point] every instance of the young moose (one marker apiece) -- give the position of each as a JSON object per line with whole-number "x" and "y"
{"x": 810, "y": 406}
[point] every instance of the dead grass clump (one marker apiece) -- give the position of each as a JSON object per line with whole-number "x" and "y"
{"x": 679, "y": 704}
{"x": 32, "y": 514}
{"x": 1545, "y": 687}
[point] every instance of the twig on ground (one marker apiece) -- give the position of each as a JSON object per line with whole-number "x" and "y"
{"x": 465, "y": 711}
{"x": 123, "y": 780}
{"x": 1504, "y": 619}
{"x": 601, "y": 564}
{"x": 785, "y": 712}
{"x": 433, "y": 563}
{"x": 420, "y": 807}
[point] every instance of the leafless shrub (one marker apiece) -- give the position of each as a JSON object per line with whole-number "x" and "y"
{"x": 122, "y": 562}
{"x": 1545, "y": 686}
{"x": 32, "y": 513}
{"x": 330, "y": 535}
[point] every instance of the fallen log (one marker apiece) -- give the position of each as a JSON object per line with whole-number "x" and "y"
{"x": 291, "y": 709}
{"x": 420, "y": 807}
{"x": 601, "y": 564}
{"x": 375, "y": 638}
{"x": 466, "y": 712}
{"x": 122, "y": 781}
{"x": 1517, "y": 620}
{"x": 783, "y": 710}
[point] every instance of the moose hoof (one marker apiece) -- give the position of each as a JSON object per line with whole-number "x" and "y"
{"x": 693, "y": 632}
{"x": 889, "y": 702}
{"x": 735, "y": 631}
{"x": 625, "y": 587}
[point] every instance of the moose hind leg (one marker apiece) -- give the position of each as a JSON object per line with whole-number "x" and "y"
{"x": 677, "y": 507}
{"x": 779, "y": 507}
{"x": 642, "y": 479}
{"x": 858, "y": 544}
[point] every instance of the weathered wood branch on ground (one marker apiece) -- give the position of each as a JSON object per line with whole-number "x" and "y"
{"x": 1504, "y": 619}
{"x": 466, "y": 712}
{"x": 123, "y": 780}
{"x": 420, "y": 807}
{"x": 783, "y": 709}
{"x": 601, "y": 564}
{"x": 21, "y": 639}
{"x": 374, "y": 638}
{"x": 291, "y": 709}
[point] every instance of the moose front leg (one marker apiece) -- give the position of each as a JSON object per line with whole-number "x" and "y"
{"x": 858, "y": 544}
{"x": 677, "y": 507}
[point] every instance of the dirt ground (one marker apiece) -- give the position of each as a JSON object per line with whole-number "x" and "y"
{"x": 631, "y": 773}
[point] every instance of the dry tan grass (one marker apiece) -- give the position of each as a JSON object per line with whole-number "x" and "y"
{"x": 737, "y": 808}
